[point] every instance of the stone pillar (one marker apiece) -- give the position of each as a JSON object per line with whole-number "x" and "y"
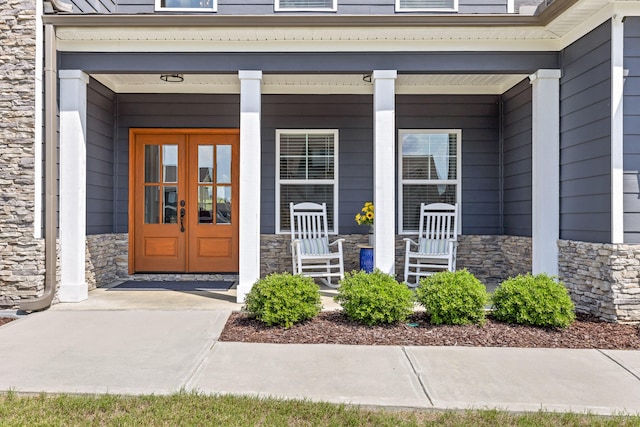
{"x": 384, "y": 149}
{"x": 73, "y": 185}
{"x": 545, "y": 171}
{"x": 250, "y": 186}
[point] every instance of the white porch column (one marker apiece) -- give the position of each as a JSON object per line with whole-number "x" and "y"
{"x": 545, "y": 170}
{"x": 617, "y": 129}
{"x": 384, "y": 197}
{"x": 250, "y": 146}
{"x": 73, "y": 185}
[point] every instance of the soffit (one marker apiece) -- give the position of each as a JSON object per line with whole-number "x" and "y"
{"x": 74, "y": 32}
{"x": 311, "y": 83}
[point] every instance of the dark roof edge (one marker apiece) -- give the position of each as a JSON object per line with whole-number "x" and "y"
{"x": 176, "y": 20}
{"x": 553, "y": 10}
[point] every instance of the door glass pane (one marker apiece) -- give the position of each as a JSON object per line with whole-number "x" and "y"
{"x": 170, "y": 163}
{"x": 151, "y": 163}
{"x": 205, "y": 204}
{"x": 223, "y": 205}
{"x": 205, "y": 163}
{"x": 170, "y": 205}
{"x": 151, "y": 204}
{"x": 223, "y": 163}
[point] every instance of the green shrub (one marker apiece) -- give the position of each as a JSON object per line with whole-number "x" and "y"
{"x": 283, "y": 299}
{"x": 374, "y": 298}
{"x": 533, "y": 300}
{"x": 453, "y": 298}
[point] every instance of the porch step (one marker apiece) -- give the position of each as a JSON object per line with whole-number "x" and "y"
{"x": 183, "y": 277}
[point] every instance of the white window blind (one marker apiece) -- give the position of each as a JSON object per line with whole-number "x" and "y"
{"x": 416, "y": 5}
{"x": 429, "y": 172}
{"x": 306, "y": 172}
{"x": 201, "y": 5}
{"x": 305, "y": 4}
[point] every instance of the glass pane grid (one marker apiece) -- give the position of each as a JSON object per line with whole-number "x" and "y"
{"x": 307, "y": 172}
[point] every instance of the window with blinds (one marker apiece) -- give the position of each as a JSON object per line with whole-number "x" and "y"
{"x": 426, "y": 5}
{"x": 307, "y": 163}
{"x": 187, "y": 5}
{"x": 306, "y": 5}
{"x": 429, "y": 172}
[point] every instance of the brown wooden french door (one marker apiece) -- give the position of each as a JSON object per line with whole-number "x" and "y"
{"x": 183, "y": 200}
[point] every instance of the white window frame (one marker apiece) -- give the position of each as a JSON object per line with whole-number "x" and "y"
{"x": 427, "y": 9}
{"x": 457, "y": 182}
{"x": 334, "y": 8}
{"x": 333, "y": 181}
{"x": 159, "y": 8}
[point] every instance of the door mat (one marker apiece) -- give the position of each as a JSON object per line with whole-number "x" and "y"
{"x": 183, "y": 286}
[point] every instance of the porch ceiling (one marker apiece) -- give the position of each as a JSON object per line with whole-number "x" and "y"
{"x": 312, "y": 83}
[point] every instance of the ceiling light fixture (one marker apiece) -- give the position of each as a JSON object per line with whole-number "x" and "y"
{"x": 172, "y": 78}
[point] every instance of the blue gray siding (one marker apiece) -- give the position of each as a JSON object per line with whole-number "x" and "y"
{"x": 266, "y": 7}
{"x": 100, "y": 158}
{"x": 585, "y": 138}
{"x": 631, "y": 110}
{"x": 164, "y": 111}
{"x": 309, "y": 62}
{"x": 477, "y": 116}
{"x": 517, "y": 159}
{"x": 352, "y": 115}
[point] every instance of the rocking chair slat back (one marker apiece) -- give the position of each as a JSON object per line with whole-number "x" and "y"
{"x": 310, "y": 248}
{"x": 438, "y": 221}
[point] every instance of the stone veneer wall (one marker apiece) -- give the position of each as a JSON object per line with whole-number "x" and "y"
{"x": 603, "y": 279}
{"x": 275, "y": 252}
{"x": 106, "y": 258}
{"x": 516, "y": 251}
{"x": 107, "y": 261}
{"x": 21, "y": 255}
{"x": 491, "y": 258}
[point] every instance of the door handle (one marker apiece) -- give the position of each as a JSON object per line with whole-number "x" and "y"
{"x": 182, "y": 213}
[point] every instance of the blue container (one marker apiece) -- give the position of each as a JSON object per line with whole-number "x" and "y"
{"x": 366, "y": 259}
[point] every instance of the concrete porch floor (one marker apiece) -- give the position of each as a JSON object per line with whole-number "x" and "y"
{"x": 110, "y": 298}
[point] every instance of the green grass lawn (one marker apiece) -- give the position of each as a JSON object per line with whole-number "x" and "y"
{"x": 186, "y": 409}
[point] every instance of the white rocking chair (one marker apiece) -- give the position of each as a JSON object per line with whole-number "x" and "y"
{"x": 437, "y": 242}
{"x": 310, "y": 247}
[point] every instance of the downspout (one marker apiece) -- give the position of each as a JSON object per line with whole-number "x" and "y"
{"x": 51, "y": 175}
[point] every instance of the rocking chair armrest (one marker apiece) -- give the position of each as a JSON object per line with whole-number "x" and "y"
{"x": 337, "y": 241}
{"x": 410, "y": 241}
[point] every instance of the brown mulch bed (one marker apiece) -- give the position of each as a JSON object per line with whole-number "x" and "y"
{"x": 4, "y": 320}
{"x": 336, "y": 328}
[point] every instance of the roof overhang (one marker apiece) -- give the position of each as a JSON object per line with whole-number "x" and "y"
{"x": 561, "y": 23}
{"x": 423, "y": 84}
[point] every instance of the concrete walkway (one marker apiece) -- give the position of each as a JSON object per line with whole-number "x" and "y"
{"x": 140, "y": 351}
